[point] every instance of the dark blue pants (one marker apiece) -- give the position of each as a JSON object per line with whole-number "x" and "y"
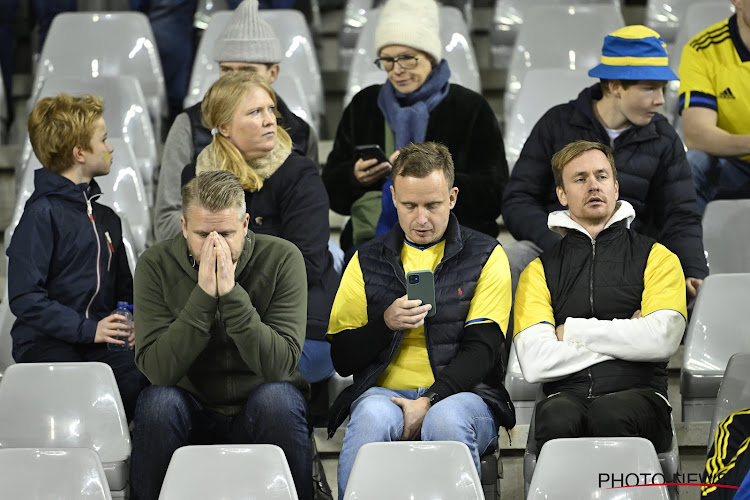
{"x": 168, "y": 418}
{"x": 129, "y": 378}
{"x": 8, "y": 9}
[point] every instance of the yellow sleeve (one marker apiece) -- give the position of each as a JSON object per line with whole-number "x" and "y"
{"x": 350, "y": 305}
{"x": 533, "y": 300}
{"x": 663, "y": 283}
{"x": 695, "y": 77}
{"x": 492, "y": 296}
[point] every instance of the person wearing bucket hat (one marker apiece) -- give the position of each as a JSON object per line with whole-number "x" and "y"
{"x": 715, "y": 107}
{"x": 416, "y": 104}
{"x": 654, "y": 175}
{"x": 247, "y": 43}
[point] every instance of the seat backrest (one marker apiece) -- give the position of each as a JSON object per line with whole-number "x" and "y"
{"x": 457, "y": 50}
{"x": 734, "y": 393}
{"x": 666, "y": 16}
{"x": 572, "y": 468}
{"x": 300, "y": 60}
{"x": 717, "y": 330}
{"x": 414, "y": 469}
{"x": 230, "y": 472}
{"x": 104, "y": 44}
{"x": 542, "y": 89}
{"x": 578, "y": 33}
{"x": 726, "y": 236}
{"x": 508, "y": 16}
{"x": 52, "y": 473}
{"x": 122, "y": 191}
{"x": 63, "y": 405}
{"x": 125, "y": 110}
{"x": 515, "y": 383}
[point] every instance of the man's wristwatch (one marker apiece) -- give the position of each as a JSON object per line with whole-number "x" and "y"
{"x": 434, "y": 397}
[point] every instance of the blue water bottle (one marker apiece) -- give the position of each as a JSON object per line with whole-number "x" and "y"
{"x": 123, "y": 309}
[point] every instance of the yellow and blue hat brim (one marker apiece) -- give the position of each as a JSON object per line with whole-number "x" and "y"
{"x": 634, "y": 53}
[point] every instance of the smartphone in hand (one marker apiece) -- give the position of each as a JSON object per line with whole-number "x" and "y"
{"x": 421, "y": 285}
{"x": 370, "y": 151}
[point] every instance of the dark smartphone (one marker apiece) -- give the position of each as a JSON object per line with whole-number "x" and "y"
{"x": 370, "y": 151}
{"x": 421, "y": 285}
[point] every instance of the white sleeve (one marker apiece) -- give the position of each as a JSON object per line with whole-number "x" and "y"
{"x": 652, "y": 338}
{"x": 543, "y": 358}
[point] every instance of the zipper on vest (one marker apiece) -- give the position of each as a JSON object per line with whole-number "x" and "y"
{"x": 90, "y": 213}
{"x": 591, "y": 276}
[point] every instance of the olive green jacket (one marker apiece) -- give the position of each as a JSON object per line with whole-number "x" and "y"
{"x": 220, "y": 349}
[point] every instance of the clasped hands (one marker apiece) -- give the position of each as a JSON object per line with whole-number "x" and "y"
{"x": 216, "y": 269}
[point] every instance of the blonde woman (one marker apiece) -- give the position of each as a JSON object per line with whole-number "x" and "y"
{"x": 284, "y": 194}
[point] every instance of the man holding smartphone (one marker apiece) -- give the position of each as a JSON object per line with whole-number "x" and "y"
{"x": 420, "y": 376}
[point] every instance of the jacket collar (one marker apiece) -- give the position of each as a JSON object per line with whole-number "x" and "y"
{"x": 585, "y": 118}
{"x": 182, "y": 255}
{"x": 561, "y": 222}
{"x": 48, "y": 183}
{"x": 394, "y": 240}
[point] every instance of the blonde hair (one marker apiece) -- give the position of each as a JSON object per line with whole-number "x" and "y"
{"x": 214, "y": 190}
{"x": 58, "y": 124}
{"x": 420, "y": 160}
{"x": 218, "y": 108}
{"x": 569, "y": 152}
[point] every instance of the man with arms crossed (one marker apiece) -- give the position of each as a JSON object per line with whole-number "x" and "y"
{"x": 220, "y": 323}
{"x": 435, "y": 378}
{"x": 600, "y": 312}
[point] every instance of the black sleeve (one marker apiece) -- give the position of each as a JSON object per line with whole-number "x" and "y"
{"x": 353, "y": 350}
{"x": 480, "y": 349}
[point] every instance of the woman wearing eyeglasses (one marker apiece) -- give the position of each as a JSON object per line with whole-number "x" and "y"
{"x": 416, "y": 104}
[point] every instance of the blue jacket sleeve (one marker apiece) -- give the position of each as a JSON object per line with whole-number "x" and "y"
{"x": 29, "y": 258}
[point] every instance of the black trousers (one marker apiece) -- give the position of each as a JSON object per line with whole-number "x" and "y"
{"x": 634, "y": 412}
{"x": 129, "y": 378}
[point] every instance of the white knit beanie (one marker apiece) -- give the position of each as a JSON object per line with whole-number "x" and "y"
{"x": 412, "y": 23}
{"x": 247, "y": 38}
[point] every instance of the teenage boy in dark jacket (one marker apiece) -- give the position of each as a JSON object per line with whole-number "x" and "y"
{"x": 67, "y": 265}
{"x": 621, "y": 112}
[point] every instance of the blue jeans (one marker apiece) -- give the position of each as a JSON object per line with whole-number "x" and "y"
{"x": 46, "y": 10}
{"x": 8, "y": 10}
{"x": 168, "y": 418}
{"x": 463, "y": 417}
{"x": 716, "y": 177}
{"x": 172, "y": 24}
{"x": 316, "y": 364}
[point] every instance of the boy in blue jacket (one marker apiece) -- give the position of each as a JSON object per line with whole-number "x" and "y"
{"x": 67, "y": 265}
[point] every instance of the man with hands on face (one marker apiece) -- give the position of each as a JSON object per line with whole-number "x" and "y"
{"x": 220, "y": 327}
{"x": 600, "y": 312}
{"x": 418, "y": 377}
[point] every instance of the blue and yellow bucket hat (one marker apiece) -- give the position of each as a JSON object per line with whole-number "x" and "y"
{"x": 634, "y": 53}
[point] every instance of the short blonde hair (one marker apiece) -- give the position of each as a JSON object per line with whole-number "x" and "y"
{"x": 572, "y": 150}
{"x": 420, "y": 160}
{"x": 218, "y": 108}
{"x": 214, "y": 190}
{"x": 58, "y": 124}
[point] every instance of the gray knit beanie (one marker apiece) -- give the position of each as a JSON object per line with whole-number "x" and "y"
{"x": 247, "y": 38}
{"x": 412, "y": 23}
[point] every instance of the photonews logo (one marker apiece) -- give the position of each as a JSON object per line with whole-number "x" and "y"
{"x": 616, "y": 480}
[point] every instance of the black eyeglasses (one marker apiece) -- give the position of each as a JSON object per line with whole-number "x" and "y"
{"x": 406, "y": 62}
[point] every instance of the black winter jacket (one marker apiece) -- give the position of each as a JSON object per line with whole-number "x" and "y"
{"x": 652, "y": 170}
{"x": 62, "y": 275}
{"x": 463, "y": 121}
{"x": 293, "y": 205}
{"x": 466, "y": 252}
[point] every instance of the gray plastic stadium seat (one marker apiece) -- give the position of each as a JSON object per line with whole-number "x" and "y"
{"x": 300, "y": 63}
{"x": 666, "y": 16}
{"x": 717, "y": 330}
{"x": 734, "y": 393}
{"x": 37, "y": 473}
{"x": 414, "y": 469}
{"x": 4, "y": 115}
{"x": 726, "y": 236}
{"x": 542, "y": 89}
{"x": 522, "y": 393}
{"x": 125, "y": 113}
{"x": 457, "y": 50}
{"x": 578, "y": 33}
{"x": 507, "y": 18}
{"x": 698, "y": 16}
{"x": 67, "y": 405}
{"x": 570, "y": 468}
{"x": 669, "y": 460}
{"x": 229, "y": 472}
{"x": 6, "y": 323}
{"x": 106, "y": 44}
{"x": 205, "y": 10}
{"x": 122, "y": 190}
